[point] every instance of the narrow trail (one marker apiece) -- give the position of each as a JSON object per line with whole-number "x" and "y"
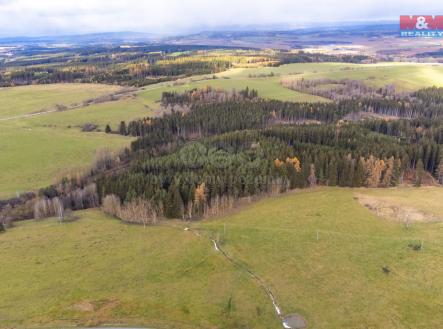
{"x": 28, "y": 115}
{"x": 253, "y": 275}
{"x": 118, "y": 95}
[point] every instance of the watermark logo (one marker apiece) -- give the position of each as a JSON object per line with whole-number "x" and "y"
{"x": 427, "y": 26}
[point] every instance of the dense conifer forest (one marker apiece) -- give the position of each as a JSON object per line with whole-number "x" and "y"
{"x": 201, "y": 161}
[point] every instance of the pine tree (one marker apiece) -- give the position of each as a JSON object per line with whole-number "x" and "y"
{"x": 174, "y": 203}
{"x": 359, "y": 175}
{"x": 332, "y": 173}
{"x": 122, "y": 130}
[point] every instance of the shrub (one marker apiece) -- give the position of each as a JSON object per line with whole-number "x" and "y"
{"x": 88, "y": 127}
{"x": 416, "y": 246}
{"x": 137, "y": 211}
{"x": 386, "y": 269}
{"x": 111, "y": 205}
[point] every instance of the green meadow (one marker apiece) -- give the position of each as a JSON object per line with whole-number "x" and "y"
{"x": 33, "y": 156}
{"x": 98, "y": 271}
{"x": 335, "y": 279}
{"x": 320, "y": 252}
{"x": 38, "y": 98}
{"x": 405, "y": 76}
{"x": 35, "y": 149}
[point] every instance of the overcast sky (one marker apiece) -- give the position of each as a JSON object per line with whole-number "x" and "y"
{"x": 52, "y": 17}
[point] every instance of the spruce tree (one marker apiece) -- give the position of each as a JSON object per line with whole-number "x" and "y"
{"x": 174, "y": 203}
{"x": 359, "y": 175}
{"x": 332, "y": 174}
{"x": 122, "y": 130}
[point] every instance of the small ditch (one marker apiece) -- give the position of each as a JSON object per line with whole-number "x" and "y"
{"x": 290, "y": 321}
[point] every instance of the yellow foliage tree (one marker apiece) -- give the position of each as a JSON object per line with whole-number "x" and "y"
{"x": 295, "y": 162}
{"x": 200, "y": 194}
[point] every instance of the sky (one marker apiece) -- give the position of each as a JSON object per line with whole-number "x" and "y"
{"x": 61, "y": 17}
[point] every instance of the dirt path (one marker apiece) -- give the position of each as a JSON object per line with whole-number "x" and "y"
{"x": 118, "y": 95}
{"x": 286, "y": 321}
{"x": 28, "y": 115}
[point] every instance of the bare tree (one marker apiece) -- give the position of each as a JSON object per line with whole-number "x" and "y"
{"x": 59, "y": 209}
{"x": 138, "y": 211}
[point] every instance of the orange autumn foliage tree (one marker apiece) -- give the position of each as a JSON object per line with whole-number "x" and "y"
{"x": 295, "y": 162}
{"x": 200, "y": 194}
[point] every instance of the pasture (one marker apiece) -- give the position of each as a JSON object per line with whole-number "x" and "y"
{"x": 321, "y": 253}
{"x": 266, "y": 80}
{"x": 24, "y": 100}
{"x": 37, "y": 148}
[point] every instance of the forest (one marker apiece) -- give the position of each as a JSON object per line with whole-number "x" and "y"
{"x": 143, "y": 65}
{"x": 215, "y": 147}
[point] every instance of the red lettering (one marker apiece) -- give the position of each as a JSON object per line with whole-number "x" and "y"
{"x": 410, "y": 22}
{"x": 437, "y": 23}
{"x": 407, "y": 22}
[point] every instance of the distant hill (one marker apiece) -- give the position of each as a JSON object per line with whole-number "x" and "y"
{"x": 290, "y": 38}
{"x": 82, "y": 39}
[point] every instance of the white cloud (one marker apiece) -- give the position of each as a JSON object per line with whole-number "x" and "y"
{"x": 37, "y": 17}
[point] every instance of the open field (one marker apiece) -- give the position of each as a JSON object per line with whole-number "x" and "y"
{"x": 337, "y": 281}
{"x": 100, "y": 114}
{"x": 269, "y": 88}
{"x": 99, "y": 271}
{"x": 37, "y": 148}
{"x": 405, "y": 76}
{"x": 96, "y": 270}
{"x": 33, "y": 156}
{"x": 37, "y": 98}
{"x": 425, "y": 199}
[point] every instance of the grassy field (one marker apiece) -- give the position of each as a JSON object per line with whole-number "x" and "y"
{"x": 35, "y": 149}
{"x": 405, "y": 76}
{"x": 425, "y": 198}
{"x": 97, "y": 270}
{"x": 100, "y": 114}
{"x": 269, "y": 88}
{"x": 30, "y": 99}
{"x": 337, "y": 281}
{"x": 33, "y": 156}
